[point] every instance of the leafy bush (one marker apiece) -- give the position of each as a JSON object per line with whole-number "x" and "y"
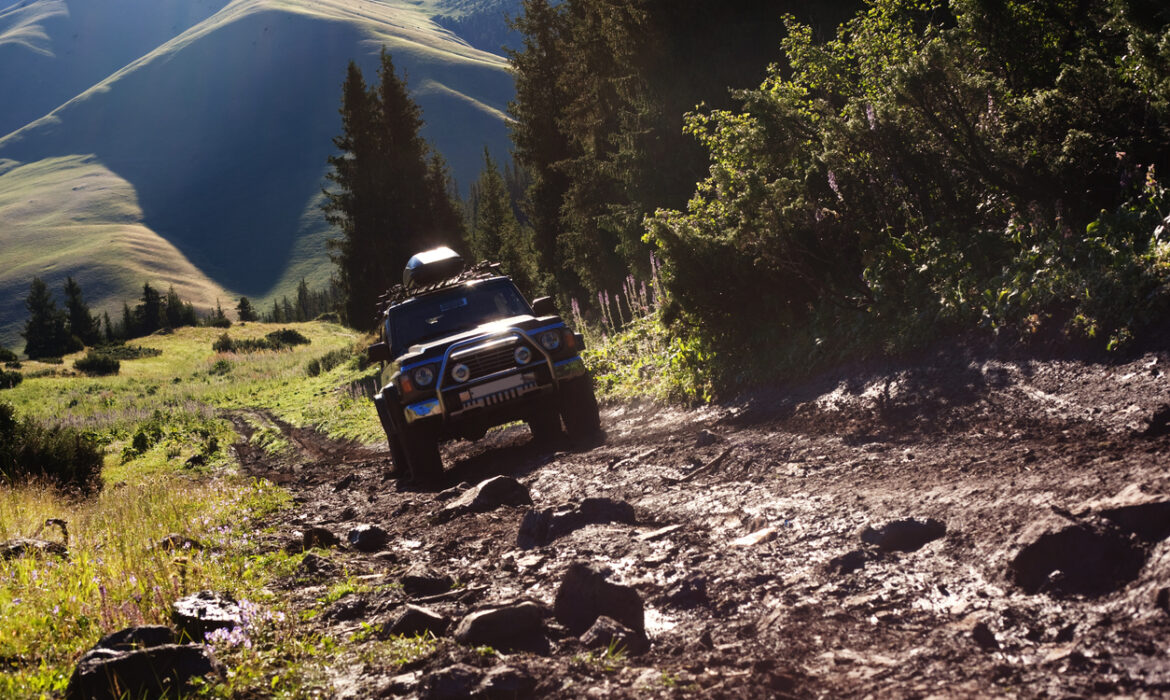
{"x": 328, "y": 361}
{"x": 97, "y": 364}
{"x": 10, "y": 379}
{"x": 932, "y": 168}
{"x": 64, "y": 456}
{"x": 224, "y": 343}
{"x": 7, "y": 355}
{"x": 129, "y": 352}
{"x": 276, "y": 340}
{"x": 286, "y": 337}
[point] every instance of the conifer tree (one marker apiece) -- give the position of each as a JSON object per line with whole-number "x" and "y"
{"x": 303, "y": 301}
{"x": 244, "y": 310}
{"x": 494, "y": 232}
{"x": 148, "y": 315}
{"x": 390, "y": 195}
{"x": 45, "y": 333}
{"x": 82, "y": 324}
{"x": 174, "y": 309}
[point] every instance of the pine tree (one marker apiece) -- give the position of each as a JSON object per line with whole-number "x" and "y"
{"x": 82, "y": 324}
{"x": 148, "y": 315}
{"x": 174, "y": 309}
{"x": 495, "y": 233}
{"x": 129, "y": 328}
{"x": 45, "y": 333}
{"x": 390, "y": 196}
{"x": 107, "y": 328}
{"x": 540, "y": 144}
{"x": 244, "y": 310}
{"x": 304, "y": 303}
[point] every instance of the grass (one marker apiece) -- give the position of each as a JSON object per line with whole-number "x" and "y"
{"x": 153, "y": 418}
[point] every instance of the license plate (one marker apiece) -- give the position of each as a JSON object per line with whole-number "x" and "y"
{"x": 494, "y": 387}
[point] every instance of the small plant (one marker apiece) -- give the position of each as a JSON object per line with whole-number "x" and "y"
{"x": 224, "y": 343}
{"x": 9, "y": 380}
{"x": 129, "y": 352}
{"x": 97, "y": 364}
{"x": 328, "y": 361}
{"x": 64, "y": 456}
{"x": 7, "y": 355}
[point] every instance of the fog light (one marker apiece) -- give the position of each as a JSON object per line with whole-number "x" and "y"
{"x": 523, "y": 355}
{"x": 461, "y": 373}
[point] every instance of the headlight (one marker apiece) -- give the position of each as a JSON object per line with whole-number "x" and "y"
{"x": 523, "y": 355}
{"x": 550, "y": 340}
{"x": 423, "y": 376}
{"x": 461, "y": 373}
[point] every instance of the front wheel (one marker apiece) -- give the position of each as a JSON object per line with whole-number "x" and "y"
{"x": 579, "y": 409}
{"x": 421, "y": 451}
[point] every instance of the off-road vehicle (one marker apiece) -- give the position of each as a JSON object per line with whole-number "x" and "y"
{"x": 463, "y": 351}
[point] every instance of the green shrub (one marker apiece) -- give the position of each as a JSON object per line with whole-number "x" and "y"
{"x": 97, "y": 364}
{"x": 327, "y": 361}
{"x": 7, "y": 355}
{"x": 10, "y": 379}
{"x": 276, "y": 340}
{"x": 67, "y": 457}
{"x": 224, "y": 343}
{"x": 286, "y": 337}
{"x": 128, "y": 352}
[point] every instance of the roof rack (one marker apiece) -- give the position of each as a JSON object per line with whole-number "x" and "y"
{"x": 399, "y": 293}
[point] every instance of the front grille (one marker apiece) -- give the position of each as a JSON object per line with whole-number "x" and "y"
{"x": 490, "y": 361}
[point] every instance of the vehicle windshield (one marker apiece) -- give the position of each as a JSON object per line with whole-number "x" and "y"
{"x": 452, "y": 311}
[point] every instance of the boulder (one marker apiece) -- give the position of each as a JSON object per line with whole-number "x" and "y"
{"x": 906, "y": 535}
{"x": 367, "y": 538}
{"x": 488, "y": 495}
{"x": 419, "y": 581}
{"x": 137, "y": 638}
{"x": 451, "y": 683}
{"x": 539, "y": 528}
{"x": 515, "y": 627}
{"x": 1089, "y": 556}
{"x": 318, "y": 537}
{"x": 506, "y": 683}
{"x": 852, "y": 561}
{"x": 158, "y": 671}
{"x": 203, "y": 612}
{"x": 607, "y": 632}
{"x": 585, "y": 594}
{"x": 416, "y": 620}
{"x": 23, "y": 545}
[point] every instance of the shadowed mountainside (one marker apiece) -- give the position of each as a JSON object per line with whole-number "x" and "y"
{"x": 221, "y": 132}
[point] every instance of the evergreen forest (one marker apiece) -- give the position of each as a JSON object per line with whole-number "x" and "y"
{"x": 825, "y": 182}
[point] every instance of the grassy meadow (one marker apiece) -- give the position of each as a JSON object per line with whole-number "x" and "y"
{"x": 169, "y": 470}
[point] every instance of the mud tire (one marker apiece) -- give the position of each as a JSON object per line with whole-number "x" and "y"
{"x": 579, "y": 409}
{"x": 421, "y": 450}
{"x": 546, "y": 426}
{"x": 401, "y": 468}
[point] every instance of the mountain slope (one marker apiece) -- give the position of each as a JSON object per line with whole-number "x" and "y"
{"x": 223, "y": 130}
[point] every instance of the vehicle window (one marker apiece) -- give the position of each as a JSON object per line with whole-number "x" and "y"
{"x": 453, "y": 311}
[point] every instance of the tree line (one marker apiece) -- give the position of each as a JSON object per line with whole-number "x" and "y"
{"x": 52, "y": 331}
{"x": 864, "y": 175}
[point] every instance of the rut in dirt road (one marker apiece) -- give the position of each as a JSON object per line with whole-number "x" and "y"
{"x": 901, "y": 533}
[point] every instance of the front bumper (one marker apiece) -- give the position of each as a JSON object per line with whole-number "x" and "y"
{"x": 497, "y": 391}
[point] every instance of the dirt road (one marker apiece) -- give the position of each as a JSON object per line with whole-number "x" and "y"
{"x": 962, "y": 526}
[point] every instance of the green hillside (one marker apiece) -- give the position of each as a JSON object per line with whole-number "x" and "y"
{"x": 73, "y": 216}
{"x": 221, "y": 134}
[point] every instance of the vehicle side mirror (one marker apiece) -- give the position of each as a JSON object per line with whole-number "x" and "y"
{"x": 378, "y": 352}
{"x": 544, "y": 306}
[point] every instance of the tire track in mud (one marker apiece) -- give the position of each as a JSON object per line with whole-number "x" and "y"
{"x": 746, "y": 547}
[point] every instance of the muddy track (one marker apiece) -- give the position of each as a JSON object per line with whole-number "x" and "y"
{"x": 749, "y": 545}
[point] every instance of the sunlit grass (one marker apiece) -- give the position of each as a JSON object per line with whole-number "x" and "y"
{"x": 168, "y": 469}
{"x": 116, "y": 575}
